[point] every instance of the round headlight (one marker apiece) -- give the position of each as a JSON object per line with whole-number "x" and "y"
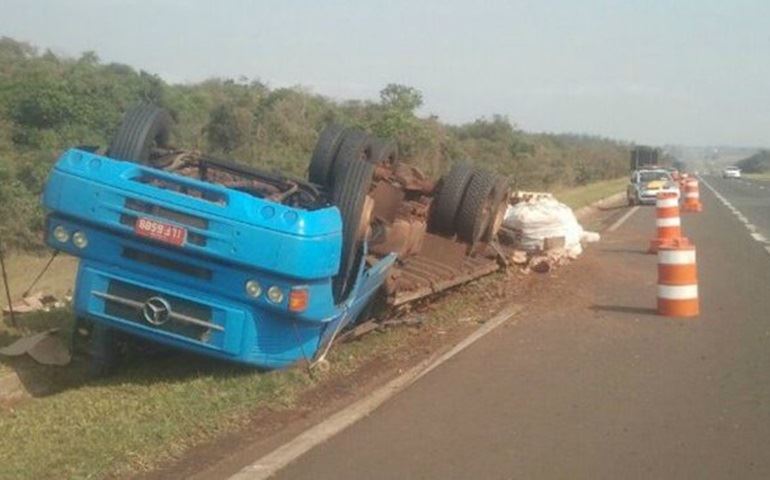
{"x": 274, "y": 294}
{"x": 253, "y": 288}
{"x": 79, "y": 239}
{"x": 61, "y": 234}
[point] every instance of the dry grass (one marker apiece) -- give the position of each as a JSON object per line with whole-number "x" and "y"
{"x": 577, "y": 197}
{"x": 765, "y": 177}
{"x": 23, "y": 268}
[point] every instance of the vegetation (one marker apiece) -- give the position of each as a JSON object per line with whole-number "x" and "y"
{"x": 159, "y": 406}
{"x": 583, "y": 196}
{"x": 757, "y": 163}
{"x": 49, "y": 103}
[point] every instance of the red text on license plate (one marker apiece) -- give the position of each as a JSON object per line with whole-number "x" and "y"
{"x": 163, "y": 232}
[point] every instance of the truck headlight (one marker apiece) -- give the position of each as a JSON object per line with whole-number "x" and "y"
{"x": 253, "y": 289}
{"x": 79, "y": 239}
{"x": 61, "y": 234}
{"x": 274, "y": 294}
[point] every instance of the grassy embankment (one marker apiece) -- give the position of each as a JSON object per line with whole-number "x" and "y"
{"x": 577, "y": 197}
{"x": 765, "y": 177}
{"x": 156, "y": 408}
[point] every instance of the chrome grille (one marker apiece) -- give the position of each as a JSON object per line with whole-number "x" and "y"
{"x": 129, "y": 302}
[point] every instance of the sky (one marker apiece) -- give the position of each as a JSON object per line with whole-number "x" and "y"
{"x": 692, "y": 72}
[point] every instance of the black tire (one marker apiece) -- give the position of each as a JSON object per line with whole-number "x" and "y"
{"x": 322, "y": 161}
{"x": 476, "y": 208}
{"x": 144, "y": 127}
{"x": 351, "y": 185}
{"x": 104, "y": 351}
{"x": 384, "y": 152}
{"x": 500, "y": 195}
{"x": 449, "y": 197}
{"x": 356, "y": 146}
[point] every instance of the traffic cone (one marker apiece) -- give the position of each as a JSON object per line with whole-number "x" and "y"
{"x": 691, "y": 197}
{"x": 667, "y": 220}
{"x": 677, "y": 280}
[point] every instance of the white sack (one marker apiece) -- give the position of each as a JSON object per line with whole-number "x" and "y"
{"x": 542, "y": 218}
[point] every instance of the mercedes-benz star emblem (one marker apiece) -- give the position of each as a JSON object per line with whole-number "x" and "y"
{"x": 156, "y": 310}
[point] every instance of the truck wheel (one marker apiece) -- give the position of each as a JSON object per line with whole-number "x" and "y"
{"x": 476, "y": 209}
{"x": 143, "y": 128}
{"x": 322, "y": 161}
{"x": 356, "y": 146}
{"x": 351, "y": 186}
{"x": 384, "y": 152}
{"x": 500, "y": 195}
{"x": 104, "y": 350}
{"x": 447, "y": 201}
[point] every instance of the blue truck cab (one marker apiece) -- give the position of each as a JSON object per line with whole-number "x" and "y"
{"x": 226, "y": 260}
{"x": 198, "y": 266}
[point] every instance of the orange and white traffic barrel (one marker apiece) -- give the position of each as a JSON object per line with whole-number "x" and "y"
{"x": 667, "y": 221}
{"x": 691, "y": 196}
{"x": 677, "y": 280}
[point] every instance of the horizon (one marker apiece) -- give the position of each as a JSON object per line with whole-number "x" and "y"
{"x": 559, "y": 68}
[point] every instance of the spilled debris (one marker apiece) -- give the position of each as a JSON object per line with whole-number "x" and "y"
{"x": 37, "y": 302}
{"x": 542, "y": 232}
{"x": 46, "y": 348}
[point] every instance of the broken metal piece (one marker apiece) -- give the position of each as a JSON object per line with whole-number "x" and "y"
{"x": 45, "y": 348}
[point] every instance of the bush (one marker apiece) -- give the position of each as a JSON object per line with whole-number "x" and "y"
{"x": 757, "y": 163}
{"x": 48, "y": 104}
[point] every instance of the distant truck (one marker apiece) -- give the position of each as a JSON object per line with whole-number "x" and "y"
{"x": 643, "y": 157}
{"x": 228, "y": 261}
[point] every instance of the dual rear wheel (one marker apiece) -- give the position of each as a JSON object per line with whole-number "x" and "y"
{"x": 470, "y": 203}
{"x": 343, "y": 162}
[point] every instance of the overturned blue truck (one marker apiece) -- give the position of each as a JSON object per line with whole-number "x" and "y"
{"x": 225, "y": 260}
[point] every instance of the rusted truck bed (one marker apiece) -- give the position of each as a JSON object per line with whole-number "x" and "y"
{"x": 443, "y": 263}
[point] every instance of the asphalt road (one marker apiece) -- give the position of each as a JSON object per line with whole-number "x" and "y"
{"x": 751, "y": 199}
{"x": 588, "y": 382}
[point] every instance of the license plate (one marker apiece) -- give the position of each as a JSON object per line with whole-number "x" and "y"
{"x": 163, "y": 232}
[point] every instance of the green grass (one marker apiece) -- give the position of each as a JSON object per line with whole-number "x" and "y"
{"x": 153, "y": 409}
{"x": 577, "y": 197}
{"x": 765, "y": 176}
{"x": 146, "y": 414}
{"x": 159, "y": 406}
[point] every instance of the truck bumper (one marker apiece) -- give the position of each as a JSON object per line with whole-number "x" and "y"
{"x": 191, "y": 320}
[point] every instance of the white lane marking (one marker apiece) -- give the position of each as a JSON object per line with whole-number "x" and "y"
{"x": 623, "y": 219}
{"x": 279, "y": 458}
{"x": 749, "y": 226}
